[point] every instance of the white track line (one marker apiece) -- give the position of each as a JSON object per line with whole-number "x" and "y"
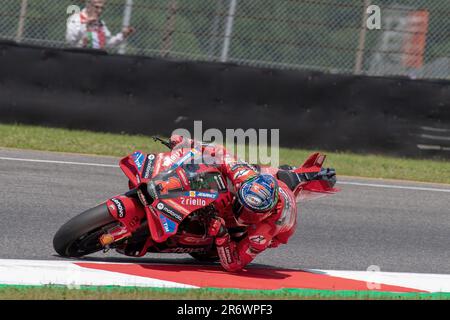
{"x": 386, "y": 186}
{"x": 393, "y": 186}
{"x": 62, "y": 162}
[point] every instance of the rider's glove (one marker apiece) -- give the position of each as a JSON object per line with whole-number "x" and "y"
{"x": 228, "y": 254}
{"x": 217, "y": 227}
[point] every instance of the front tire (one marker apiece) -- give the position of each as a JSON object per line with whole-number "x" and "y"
{"x": 80, "y": 235}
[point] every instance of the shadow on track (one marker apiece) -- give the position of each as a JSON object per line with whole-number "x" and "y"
{"x": 256, "y": 271}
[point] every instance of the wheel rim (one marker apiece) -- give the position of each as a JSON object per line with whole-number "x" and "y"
{"x": 89, "y": 242}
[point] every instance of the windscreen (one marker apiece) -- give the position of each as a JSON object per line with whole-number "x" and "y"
{"x": 169, "y": 183}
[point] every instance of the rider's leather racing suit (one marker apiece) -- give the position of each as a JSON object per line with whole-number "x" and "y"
{"x": 264, "y": 230}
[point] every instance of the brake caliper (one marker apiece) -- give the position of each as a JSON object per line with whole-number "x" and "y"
{"x": 114, "y": 234}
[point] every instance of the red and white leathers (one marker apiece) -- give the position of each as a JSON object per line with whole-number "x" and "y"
{"x": 98, "y": 36}
{"x": 264, "y": 230}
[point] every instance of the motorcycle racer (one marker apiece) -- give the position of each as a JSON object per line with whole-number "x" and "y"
{"x": 263, "y": 204}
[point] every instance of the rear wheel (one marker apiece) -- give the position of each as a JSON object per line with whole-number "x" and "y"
{"x": 80, "y": 235}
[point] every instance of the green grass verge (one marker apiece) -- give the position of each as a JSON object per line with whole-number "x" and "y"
{"x": 133, "y": 293}
{"x": 371, "y": 166}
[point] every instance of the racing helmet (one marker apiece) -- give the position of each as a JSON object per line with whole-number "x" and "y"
{"x": 259, "y": 194}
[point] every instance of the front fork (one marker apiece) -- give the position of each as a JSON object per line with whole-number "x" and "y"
{"x": 129, "y": 212}
{"x": 114, "y": 234}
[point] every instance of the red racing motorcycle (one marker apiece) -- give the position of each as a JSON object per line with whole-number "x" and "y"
{"x": 170, "y": 204}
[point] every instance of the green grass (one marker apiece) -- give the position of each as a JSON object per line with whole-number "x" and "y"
{"x": 133, "y": 293}
{"x": 62, "y": 140}
{"x": 371, "y": 166}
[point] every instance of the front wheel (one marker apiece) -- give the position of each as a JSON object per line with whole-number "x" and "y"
{"x": 80, "y": 235}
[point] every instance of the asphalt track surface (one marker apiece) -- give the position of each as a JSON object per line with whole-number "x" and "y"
{"x": 396, "y": 226}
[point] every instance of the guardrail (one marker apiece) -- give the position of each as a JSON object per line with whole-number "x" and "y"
{"x": 92, "y": 90}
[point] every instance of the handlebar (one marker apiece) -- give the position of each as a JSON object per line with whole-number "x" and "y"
{"x": 164, "y": 142}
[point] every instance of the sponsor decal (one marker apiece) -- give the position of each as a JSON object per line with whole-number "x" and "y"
{"x": 153, "y": 211}
{"x": 221, "y": 253}
{"x": 221, "y": 185}
{"x": 152, "y": 190}
{"x": 200, "y": 194}
{"x": 160, "y": 206}
{"x": 184, "y": 250}
{"x": 254, "y": 201}
{"x": 164, "y": 223}
{"x": 193, "y": 201}
{"x": 207, "y": 195}
{"x": 177, "y": 206}
{"x": 187, "y": 156}
{"x": 170, "y": 159}
{"x": 167, "y": 162}
{"x": 194, "y": 240}
{"x": 286, "y": 198}
{"x": 158, "y": 163}
{"x": 183, "y": 177}
{"x": 168, "y": 225}
{"x": 287, "y": 207}
{"x": 142, "y": 198}
{"x": 241, "y": 164}
{"x": 120, "y": 207}
{"x": 169, "y": 211}
{"x": 228, "y": 255}
{"x": 138, "y": 158}
{"x": 260, "y": 190}
{"x": 149, "y": 166}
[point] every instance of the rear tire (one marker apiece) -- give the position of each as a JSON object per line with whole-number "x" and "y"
{"x": 80, "y": 235}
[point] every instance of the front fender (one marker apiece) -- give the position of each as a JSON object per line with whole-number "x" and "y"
{"x": 128, "y": 211}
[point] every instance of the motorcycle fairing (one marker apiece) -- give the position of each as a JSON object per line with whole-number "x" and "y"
{"x": 128, "y": 211}
{"x": 167, "y": 214}
{"x": 178, "y": 191}
{"x": 138, "y": 159}
{"x": 314, "y": 189}
{"x": 138, "y": 167}
{"x": 141, "y": 167}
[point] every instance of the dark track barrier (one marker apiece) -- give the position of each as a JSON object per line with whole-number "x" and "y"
{"x": 81, "y": 89}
